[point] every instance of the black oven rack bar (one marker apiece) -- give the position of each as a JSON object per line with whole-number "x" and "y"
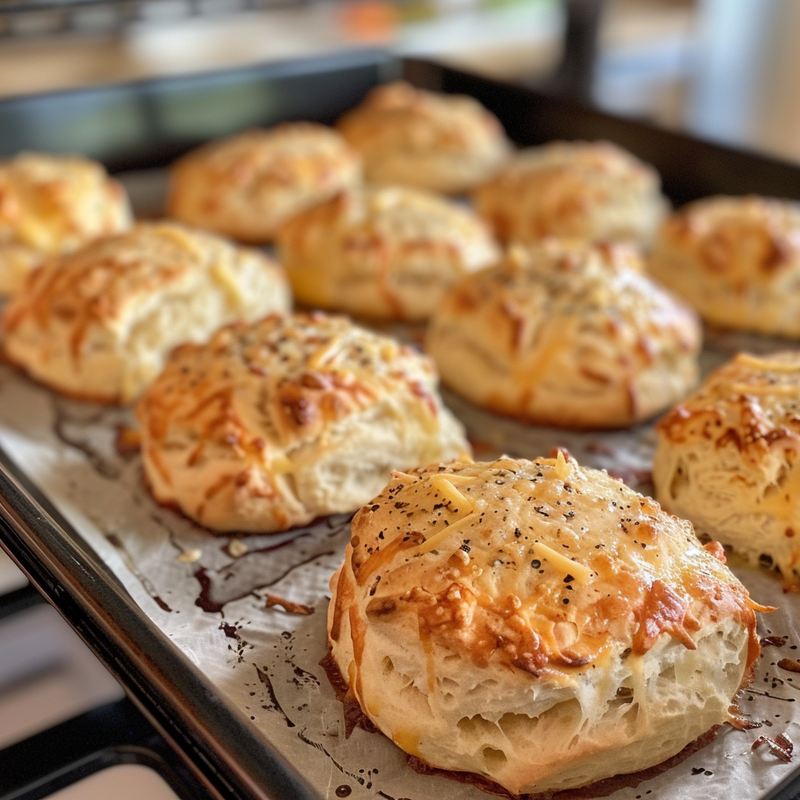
{"x": 218, "y": 746}
{"x": 110, "y": 735}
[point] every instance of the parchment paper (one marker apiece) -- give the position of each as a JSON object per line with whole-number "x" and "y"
{"x": 250, "y": 612}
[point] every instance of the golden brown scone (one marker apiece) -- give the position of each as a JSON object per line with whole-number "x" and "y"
{"x": 584, "y": 190}
{"x": 736, "y": 260}
{"x": 246, "y": 186}
{"x": 271, "y": 425}
{"x": 728, "y": 459}
{"x": 447, "y": 143}
{"x": 386, "y": 253}
{"x": 98, "y": 324}
{"x": 536, "y": 623}
{"x": 566, "y": 333}
{"x": 50, "y": 205}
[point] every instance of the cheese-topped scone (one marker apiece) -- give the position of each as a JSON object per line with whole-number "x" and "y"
{"x": 586, "y": 190}
{"x": 99, "y": 323}
{"x": 411, "y": 137}
{"x": 385, "y": 253}
{"x": 566, "y": 333}
{"x": 736, "y": 260}
{"x": 536, "y": 623}
{"x": 247, "y": 185}
{"x": 273, "y": 424}
{"x": 50, "y": 205}
{"x": 728, "y": 459}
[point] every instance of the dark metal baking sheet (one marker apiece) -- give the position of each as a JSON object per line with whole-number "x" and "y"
{"x": 145, "y": 125}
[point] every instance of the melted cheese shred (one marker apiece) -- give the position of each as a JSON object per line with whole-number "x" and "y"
{"x": 748, "y": 360}
{"x": 432, "y": 542}
{"x": 764, "y": 388}
{"x": 581, "y": 573}
{"x": 397, "y": 475}
{"x": 563, "y": 467}
{"x": 326, "y": 352}
{"x": 444, "y": 486}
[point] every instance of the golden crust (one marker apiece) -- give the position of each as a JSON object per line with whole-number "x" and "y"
{"x": 737, "y": 260}
{"x": 447, "y": 143}
{"x": 383, "y": 252}
{"x": 246, "y": 186}
{"x": 271, "y": 425}
{"x": 728, "y": 458}
{"x": 50, "y": 205}
{"x": 567, "y": 334}
{"x": 522, "y": 582}
{"x": 585, "y": 190}
{"x": 99, "y": 323}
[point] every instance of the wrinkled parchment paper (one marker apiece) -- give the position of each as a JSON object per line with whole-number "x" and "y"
{"x": 250, "y": 612}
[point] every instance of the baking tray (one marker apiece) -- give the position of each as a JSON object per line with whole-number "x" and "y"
{"x": 136, "y": 129}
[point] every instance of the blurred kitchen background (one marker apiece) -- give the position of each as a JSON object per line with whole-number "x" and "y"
{"x": 723, "y": 69}
{"x": 727, "y": 70}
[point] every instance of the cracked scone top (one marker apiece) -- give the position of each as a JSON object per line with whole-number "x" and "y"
{"x": 566, "y": 333}
{"x": 736, "y": 260}
{"x": 53, "y": 204}
{"x": 383, "y": 252}
{"x": 536, "y": 623}
{"x": 247, "y": 185}
{"x": 99, "y": 323}
{"x": 585, "y": 190}
{"x": 274, "y": 424}
{"x": 408, "y": 136}
{"x": 728, "y": 459}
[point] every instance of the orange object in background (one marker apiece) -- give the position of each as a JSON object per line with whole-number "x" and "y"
{"x": 369, "y": 20}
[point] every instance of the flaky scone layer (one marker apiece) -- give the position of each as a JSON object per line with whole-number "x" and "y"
{"x": 569, "y": 334}
{"x": 736, "y": 260}
{"x": 728, "y": 458}
{"x": 247, "y": 185}
{"x": 411, "y": 137}
{"x": 587, "y": 190}
{"x": 98, "y": 324}
{"x": 385, "y": 253}
{"x": 273, "y": 424}
{"x": 536, "y": 622}
{"x": 50, "y": 205}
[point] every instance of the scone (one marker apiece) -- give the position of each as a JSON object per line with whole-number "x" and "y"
{"x": 536, "y": 623}
{"x": 728, "y": 459}
{"x": 98, "y": 324}
{"x": 271, "y": 425}
{"x": 586, "y": 190}
{"x": 246, "y": 186}
{"x": 568, "y": 334}
{"x": 385, "y": 253}
{"x": 736, "y": 260}
{"x": 53, "y": 204}
{"x": 447, "y": 143}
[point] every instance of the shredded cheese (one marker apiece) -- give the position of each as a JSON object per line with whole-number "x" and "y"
{"x": 563, "y": 467}
{"x": 455, "y": 477}
{"x": 432, "y": 542}
{"x": 281, "y": 464}
{"x": 228, "y": 284}
{"x": 747, "y": 360}
{"x": 444, "y": 487}
{"x": 580, "y": 572}
{"x": 765, "y": 388}
{"x": 325, "y": 353}
{"x": 403, "y": 476}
